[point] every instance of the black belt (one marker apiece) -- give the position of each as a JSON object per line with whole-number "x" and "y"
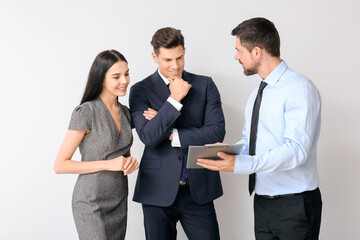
{"x": 286, "y": 195}
{"x": 278, "y": 196}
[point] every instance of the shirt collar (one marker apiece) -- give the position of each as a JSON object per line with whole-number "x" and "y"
{"x": 276, "y": 74}
{"x": 166, "y": 81}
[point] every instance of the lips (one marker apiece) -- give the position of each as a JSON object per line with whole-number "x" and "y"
{"x": 122, "y": 88}
{"x": 174, "y": 73}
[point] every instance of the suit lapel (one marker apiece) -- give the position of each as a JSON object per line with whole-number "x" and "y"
{"x": 159, "y": 87}
{"x": 187, "y": 99}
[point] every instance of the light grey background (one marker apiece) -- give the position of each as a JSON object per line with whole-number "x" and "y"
{"x": 47, "y": 47}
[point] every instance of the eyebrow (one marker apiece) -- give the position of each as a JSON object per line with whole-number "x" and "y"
{"x": 119, "y": 73}
{"x": 182, "y": 55}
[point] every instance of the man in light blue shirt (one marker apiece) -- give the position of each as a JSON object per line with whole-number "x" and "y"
{"x": 287, "y": 203}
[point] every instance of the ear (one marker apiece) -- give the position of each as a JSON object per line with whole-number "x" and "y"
{"x": 155, "y": 57}
{"x": 257, "y": 52}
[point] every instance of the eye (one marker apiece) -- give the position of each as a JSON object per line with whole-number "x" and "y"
{"x": 116, "y": 77}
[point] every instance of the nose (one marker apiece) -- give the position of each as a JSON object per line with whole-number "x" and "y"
{"x": 175, "y": 65}
{"x": 237, "y": 56}
{"x": 124, "y": 79}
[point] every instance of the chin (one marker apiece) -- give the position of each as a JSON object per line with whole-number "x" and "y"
{"x": 121, "y": 94}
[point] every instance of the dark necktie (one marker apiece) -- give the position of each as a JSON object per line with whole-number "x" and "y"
{"x": 253, "y": 131}
{"x": 184, "y": 176}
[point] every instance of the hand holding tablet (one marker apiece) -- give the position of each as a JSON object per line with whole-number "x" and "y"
{"x": 210, "y": 152}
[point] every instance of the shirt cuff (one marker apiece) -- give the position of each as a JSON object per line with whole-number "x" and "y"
{"x": 175, "y": 103}
{"x": 243, "y": 164}
{"x": 175, "y": 139}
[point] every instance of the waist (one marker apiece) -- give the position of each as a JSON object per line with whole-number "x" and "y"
{"x": 286, "y": 195}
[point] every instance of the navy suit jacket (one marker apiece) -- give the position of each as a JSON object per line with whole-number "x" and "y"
{"x": 201, "y": 121}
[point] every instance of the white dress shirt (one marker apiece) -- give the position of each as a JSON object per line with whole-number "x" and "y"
{"x": 288, "y": 131}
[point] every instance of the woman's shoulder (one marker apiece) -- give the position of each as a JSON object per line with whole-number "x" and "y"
{"x": 87, "y": 106}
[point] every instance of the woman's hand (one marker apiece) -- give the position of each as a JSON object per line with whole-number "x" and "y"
{"x": 116, "y": 164}
{"x": 125, "y": 164}
{"x": 131, "y": 165}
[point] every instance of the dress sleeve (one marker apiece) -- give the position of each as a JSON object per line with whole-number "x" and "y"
{"x": 128, "y": 115}
{"x": 80, "y": 119}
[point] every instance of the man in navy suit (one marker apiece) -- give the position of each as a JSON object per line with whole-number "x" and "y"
{"x": 171, "y": 110}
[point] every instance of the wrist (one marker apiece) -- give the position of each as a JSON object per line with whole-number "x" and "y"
{"x": 105, "y": 165}
{"x": 178, "y": 99}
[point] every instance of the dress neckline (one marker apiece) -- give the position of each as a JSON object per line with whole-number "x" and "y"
{"x": 112, "y": 119}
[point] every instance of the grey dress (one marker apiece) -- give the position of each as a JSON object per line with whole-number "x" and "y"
{"x": 100, "y": 199}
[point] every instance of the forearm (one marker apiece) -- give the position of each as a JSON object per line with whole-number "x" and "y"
{"x": 201, "y": 135}
{"x": 158, "y": 129}
{"x": 76, "y": 167}
{"x": 285, "y": 157}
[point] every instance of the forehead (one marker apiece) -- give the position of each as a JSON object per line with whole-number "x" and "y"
{"x": 118, "y": 67}
{"x": 171, "y": 52}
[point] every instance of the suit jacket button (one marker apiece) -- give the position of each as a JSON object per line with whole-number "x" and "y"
{"x": 180, "y": 158}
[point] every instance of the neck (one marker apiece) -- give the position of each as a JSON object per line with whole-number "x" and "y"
{"x": 268, "y": 65}
{"x": 109, "y": 101}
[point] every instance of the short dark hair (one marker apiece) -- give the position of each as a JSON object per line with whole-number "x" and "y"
{"x": 258, "y": 32}
{"x": 102, "y": 63}
{"x": 167, "y": 37}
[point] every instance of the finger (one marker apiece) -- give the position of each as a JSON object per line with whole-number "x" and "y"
{"x": 135, "y": 166}
{"x": 131, "y": 169}
{"x": 204, "y": 165}
{"x": 153, "y": 111}
{"x": 132, "y": 166}
{"x": 128, "y": 166}
{"x": 206, "y": 161}
{"x": 148, "y": 116}
{"x": 222, "y": 155}
{"x": 127, "y": 162}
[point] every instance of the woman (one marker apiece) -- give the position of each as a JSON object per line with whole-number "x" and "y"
{"x": 101, "y": 127}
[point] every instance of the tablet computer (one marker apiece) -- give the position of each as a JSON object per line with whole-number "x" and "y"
{"x": 210, "y": 151}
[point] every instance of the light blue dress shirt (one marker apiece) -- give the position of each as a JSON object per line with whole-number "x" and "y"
{"x": 288, "y": 131}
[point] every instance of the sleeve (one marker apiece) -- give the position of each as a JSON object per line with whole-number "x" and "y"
{"x": 213, "y": 128}
{"x": 80, "y": 119}
{"x": 302, "y": 116}
{"x": 153, "y": 132}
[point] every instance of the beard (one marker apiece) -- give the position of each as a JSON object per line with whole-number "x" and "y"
{"x": 251, "y": 70}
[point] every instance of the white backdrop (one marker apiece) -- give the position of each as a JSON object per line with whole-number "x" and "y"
{"x": 47, "y": 47}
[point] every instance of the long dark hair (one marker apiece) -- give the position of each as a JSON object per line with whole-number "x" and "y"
{"x": 100, "y": 66}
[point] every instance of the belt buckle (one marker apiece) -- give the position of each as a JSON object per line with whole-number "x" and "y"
{"x": 182, "y": 183}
